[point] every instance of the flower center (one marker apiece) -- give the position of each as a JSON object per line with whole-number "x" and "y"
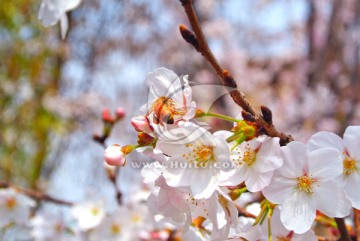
{"x": 305, "y": 184}
{"x": 11, "y": 203}
{"x": 115, "y": 229}
{"x": 95, "y": 211}
{"x": 165, "y": 109}
{"x": 200, "y": 155}
{"x": 249, "y": 157}
{"x": 349, "y": 166}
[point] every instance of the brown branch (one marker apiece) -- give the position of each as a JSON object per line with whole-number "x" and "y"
{"x": 344, "y": 235}
{"x": 198, "y": 41}
{"x": 37, "y": 195}
{"x": 357, "y": 223}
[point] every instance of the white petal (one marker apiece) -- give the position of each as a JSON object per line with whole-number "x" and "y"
{"x": 325, "y": 139}
{"x": 325, "y": 163}
{"x": 352, "y": 189}
{"x": 268, "y": 158}
{"x": 70, "y": 4}
{"x": 233, "y": 178}
{"x": 280, "y": 189}
{"x": 352, "y": 141}
{"x": 308, "y": 236}
{"x": 203, "y": 183}
{"x": 257, "y": 181}
{"x": 64, "y": 24}
{"x": 160, "y": 81}
{"x": 295, "y": 158}
{"x": 298, "y": 212}
{"x": 331, "y": 199}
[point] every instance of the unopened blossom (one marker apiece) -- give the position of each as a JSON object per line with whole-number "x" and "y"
{"x": 120, "y": 113}
{"x": 305, "y": 183}
{"x": 14, "y": 207}
{"x": 88, "y": 214}
{"x": 141, "y": 123}
{"x": 51, "y": 11}
{"x": 114, "y": 156}
{"x": 170, "y": 97}
{"x": 254, "y": 162}
{"x": 196, "y": 159}
{"x": 349, "y": 147}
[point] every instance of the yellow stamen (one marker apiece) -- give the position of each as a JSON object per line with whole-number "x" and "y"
{"x": 11, "y": 203}
{"x": 200, "y": 155}
{"x": 115, "y": 229}
{"x": 305, "y": 184}
{"x": 349, "y": 166}
{"x": 95, "y": 211}
{"x": 282, "y": 238}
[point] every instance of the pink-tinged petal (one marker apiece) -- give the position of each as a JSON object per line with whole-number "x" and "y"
{"x": 331, "y": 199}
{"x": 325, "y": 139}
{"x": 280, "y": 189}
{"x": 257, "y": 181}
{"x": 352, "y": 189}
{"x": 298, "y": 212}
{"x": 295, "y": 159}
{"x": 325, "y": 163}
{"x": 308, "y": 236}
{"x": 203, "y": 183}
{"x": 352, "y": 141}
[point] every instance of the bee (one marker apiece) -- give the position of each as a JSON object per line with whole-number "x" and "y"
{"x": 165, "y": 109}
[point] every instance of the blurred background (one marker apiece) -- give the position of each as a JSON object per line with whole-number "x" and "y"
{"x": 298, "y": 57}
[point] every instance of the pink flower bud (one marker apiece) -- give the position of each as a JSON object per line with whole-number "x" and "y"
{"x": 113, "y": 156}
{"x": 120, "y": 113}
{"x": 106, "y": 116}
{"x": 141, "y": 124}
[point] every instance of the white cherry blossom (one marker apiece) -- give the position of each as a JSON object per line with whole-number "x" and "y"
{"x": 170, "y": 97}
{"x": 306, "y": 183}
{"x": 51, "y": 11}
{"x": 197, "y": 159}
{"x": 349, "y": 147}
{"x": 255, "y": 162}
{"x": 89, "y": 213}
{"x": 14, "y": 207}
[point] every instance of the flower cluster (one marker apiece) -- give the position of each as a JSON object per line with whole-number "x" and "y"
{"x": 199, "y": 177}
{"x": 200, "y": 184}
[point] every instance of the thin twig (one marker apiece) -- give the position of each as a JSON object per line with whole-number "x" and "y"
{"x": 37, "y": 195}
{"x": 198, "y": 41}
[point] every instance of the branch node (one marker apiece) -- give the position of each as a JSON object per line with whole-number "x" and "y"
{"x": 267, "y": 114}
{"x": 189, "y": 36}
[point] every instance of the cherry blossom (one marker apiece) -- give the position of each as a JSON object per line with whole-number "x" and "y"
{"x": 170, "y": 97}
{"x": 349, "y": 147}
{"x": 255, "y": 162}
{"x": 48, "y": 226}
{"x": 89, "y": 213}
{"x": 197, "y": 159}
{"x": 51, "y": 11}
{"x": 306, "y": 183}
{"x": 14, "y": 207}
